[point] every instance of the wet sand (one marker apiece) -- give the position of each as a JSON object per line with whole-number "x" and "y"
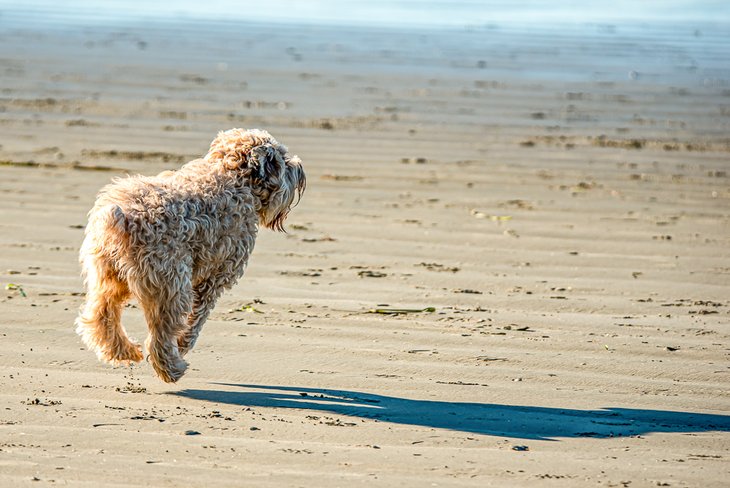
{"x": 559, "y": 197}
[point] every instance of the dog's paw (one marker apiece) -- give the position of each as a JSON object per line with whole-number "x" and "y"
{"x": 172, "y": 373}
{"x": 166, "y": 362}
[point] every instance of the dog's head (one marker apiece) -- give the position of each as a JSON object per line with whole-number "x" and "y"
{"x": 275, "y": 176}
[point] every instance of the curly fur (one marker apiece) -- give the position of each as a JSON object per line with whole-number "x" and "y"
{"x": 175, "y": 241}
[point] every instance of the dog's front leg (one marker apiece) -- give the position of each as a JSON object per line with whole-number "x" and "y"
{"x": 206, "y": 294}
{"x": 203, "y": 303}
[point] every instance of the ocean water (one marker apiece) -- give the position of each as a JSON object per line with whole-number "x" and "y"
{"x": 678, "y": 42}
{"x": 381, "y": 13}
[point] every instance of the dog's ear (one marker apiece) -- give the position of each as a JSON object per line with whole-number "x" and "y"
{"x": 266, "y": 161}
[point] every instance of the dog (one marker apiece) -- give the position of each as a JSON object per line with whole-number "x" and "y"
{"x": 176, "y": 241}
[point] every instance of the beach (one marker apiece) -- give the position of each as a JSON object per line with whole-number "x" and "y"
{"x": 511, "y": 265}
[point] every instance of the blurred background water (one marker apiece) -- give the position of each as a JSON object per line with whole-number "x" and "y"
{"x": 395, "y": 13}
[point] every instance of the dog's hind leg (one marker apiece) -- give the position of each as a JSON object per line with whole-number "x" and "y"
{"x": 99, "y": 323}
{"x": 167, "y": 302}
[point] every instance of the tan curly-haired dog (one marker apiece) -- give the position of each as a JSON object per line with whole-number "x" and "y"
{"x": 175, "y": 241}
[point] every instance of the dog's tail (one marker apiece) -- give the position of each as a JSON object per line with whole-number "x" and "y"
{"x": 105, "y": 234}
{"x": 111, "y": 217}
{"x": 105, "y": 216}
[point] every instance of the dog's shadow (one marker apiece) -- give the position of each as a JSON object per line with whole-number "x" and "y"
{"x": 515, "y": 421}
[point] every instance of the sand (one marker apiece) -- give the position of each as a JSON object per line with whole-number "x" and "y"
{"x": 551, "y": 206}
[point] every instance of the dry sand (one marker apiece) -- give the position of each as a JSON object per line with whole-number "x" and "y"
{"x": 559, "y": 197}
